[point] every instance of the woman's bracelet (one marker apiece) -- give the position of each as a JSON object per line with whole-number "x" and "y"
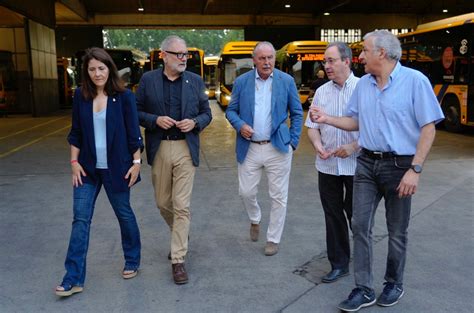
{"x": 73, "y": 161}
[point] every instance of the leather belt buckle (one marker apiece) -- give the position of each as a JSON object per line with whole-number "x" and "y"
{"x": 378, "y": 155}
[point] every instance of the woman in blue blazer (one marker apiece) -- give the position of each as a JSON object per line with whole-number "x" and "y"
{"x": 105, "y": 151}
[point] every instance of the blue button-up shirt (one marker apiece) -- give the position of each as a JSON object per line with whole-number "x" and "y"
{"x": 391, "y": 119}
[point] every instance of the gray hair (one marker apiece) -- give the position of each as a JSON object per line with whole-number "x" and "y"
{"x": 263, "y": 43}
{"x": 165, "y": 44}
{"x": 344, "y": 51}
{"x": 383, "y": 39}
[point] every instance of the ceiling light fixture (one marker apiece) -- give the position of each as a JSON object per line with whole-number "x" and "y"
{"x": 141, "y": 9}
{"x": 140, "y": 6}
{"x": 327, "y": 13}
{"x": 445, "y": 11}
{"x": 287, "y": 6}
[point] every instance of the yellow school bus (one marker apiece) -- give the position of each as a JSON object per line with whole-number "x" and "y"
{"x": 194, "y": 63}
{"x": 235, "y": 59}
{"x": 443, "y": 51}
{"x": 302, "y": 59}
{"x": 210, "y": 65}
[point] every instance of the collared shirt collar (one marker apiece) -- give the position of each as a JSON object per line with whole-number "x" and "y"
{"x": 393, "y": 74}
{"x": 164, "y": 75}
{"x": 258, "y": 76}
{"x": 349, "y": 79}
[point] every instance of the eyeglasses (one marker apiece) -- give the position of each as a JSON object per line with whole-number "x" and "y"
{"x": 179, "y": 55}
{"x": 330, "y": 61}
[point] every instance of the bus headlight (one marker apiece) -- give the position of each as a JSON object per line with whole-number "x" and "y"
{"x": 227, "y": 98}
{"x": 207, "y": 92}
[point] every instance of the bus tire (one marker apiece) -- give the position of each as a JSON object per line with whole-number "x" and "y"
{"x": 451, "y": 110}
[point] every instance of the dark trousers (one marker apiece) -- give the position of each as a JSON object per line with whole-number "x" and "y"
{"x": 373, "y": 180}
{"x": 336, "y": 198}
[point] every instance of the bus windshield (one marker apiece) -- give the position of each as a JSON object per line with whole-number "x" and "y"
{"x": 234, "y": 66}
{"x": 302, "y": 68}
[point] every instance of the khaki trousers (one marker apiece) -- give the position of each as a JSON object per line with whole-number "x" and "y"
{"x": 172, "y": 177}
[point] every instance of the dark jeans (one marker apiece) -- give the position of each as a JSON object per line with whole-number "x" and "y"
{"x": 84, "y": 202}
{"x": 373, "y": 180}
{"x": 336, "y": 198}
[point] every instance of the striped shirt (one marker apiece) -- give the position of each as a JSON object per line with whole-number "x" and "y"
{"x": 333, "y": 99}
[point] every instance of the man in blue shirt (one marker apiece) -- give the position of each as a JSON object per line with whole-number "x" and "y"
{"x": 395, "y": 110}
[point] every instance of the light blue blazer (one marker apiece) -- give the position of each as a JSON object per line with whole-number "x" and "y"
{"x": 284, "y": 99}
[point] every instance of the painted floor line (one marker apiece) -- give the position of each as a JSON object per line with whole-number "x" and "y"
{"x": 32, "y": 142}
{"x": 36, "y": 126}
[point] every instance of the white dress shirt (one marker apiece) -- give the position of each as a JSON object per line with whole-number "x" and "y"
{"x": 333, "y": 99}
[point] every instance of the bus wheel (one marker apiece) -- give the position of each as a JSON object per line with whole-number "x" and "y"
{"x": 451, "y": 110}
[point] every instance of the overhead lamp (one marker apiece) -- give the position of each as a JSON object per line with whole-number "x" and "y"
{"x": 445, "y": 10}
{"x": 287, "y": 6}
{"x": 327, "y": 13}
{"x": 140, "y": 6}
{"x": 141, "y": 9}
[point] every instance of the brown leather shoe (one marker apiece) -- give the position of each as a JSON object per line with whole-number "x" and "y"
{"x": 254, "y": 231}
{"x": 271, "y": 248}
{"x": 179, "y": 273}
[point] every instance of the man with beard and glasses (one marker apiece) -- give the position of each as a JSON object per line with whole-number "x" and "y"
{"x": 174, "y": 108}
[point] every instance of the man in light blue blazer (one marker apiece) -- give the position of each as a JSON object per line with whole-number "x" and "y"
{"x": 258, "y": 110}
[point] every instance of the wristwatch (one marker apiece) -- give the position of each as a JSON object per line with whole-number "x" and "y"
{"x": 195, "y": 122}
{"x": 417, "y": 168}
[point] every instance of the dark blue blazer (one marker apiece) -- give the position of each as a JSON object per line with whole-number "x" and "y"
{"x": 122, "y": 131}
{"x": 150, "y": 104}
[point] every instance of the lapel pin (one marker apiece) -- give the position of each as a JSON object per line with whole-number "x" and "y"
{"x": 113, "y": 99}
{"x": 187, "y": 81}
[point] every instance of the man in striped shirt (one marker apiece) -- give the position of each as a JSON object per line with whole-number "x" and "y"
{"x": 336, "y": 157}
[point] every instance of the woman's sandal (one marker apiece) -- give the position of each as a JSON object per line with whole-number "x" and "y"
{"x": 129, "y": 273}
{"x": 67, "y": 290}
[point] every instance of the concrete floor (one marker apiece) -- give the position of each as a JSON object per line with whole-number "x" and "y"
{"x": 228, "y": 272}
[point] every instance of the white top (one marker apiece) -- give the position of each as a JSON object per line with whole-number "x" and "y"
{"x": 333, "y": 99}
{"x": 262, "y": 121}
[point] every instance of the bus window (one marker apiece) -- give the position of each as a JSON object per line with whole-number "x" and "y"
{"x": 302, "y": 60}
{"x": 443, "y": 52}
{"x": 235, "y": 60}
{"x": 210, "y": 66}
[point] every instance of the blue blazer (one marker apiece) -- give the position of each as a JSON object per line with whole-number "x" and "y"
{"x": 122, "y": 131}
{"x": 150, "y": 104}
{"x": 284, "y": 99}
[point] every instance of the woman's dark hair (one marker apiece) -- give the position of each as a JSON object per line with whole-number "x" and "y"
{"x": 113, "y": 85}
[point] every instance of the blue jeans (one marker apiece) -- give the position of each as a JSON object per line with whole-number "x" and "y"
{"x": 84, "y": 202}
{"x": 373, "y": 180}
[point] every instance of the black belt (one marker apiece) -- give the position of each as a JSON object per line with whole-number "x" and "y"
{"x": 260, "y": 142}
{"x": 379, "y": 155}
{"x": 173, "y": 137}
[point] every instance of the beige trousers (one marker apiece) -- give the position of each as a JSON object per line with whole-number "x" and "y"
{"x": 277, "y": 166}
{"x": 172, "y": 177}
